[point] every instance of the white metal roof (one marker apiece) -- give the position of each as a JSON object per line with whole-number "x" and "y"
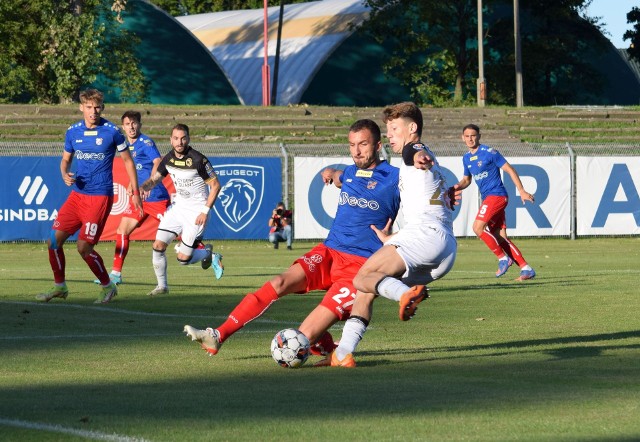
{"x": 310, "y": 33}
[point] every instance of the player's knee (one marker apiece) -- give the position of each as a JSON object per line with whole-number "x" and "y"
{"x": 184, "y": 262}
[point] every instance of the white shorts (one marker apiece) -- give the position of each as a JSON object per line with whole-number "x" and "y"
{"x": 428, "y": 252}
{"x": 181, "y": 221}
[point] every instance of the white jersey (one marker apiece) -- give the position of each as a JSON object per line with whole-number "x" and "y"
{"x": 424, "y": 194}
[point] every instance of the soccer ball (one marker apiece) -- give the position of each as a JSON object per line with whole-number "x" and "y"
{"x": 290, "y": 348}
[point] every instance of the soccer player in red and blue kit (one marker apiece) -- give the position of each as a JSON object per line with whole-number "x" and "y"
{"x": 369, "y": 195}
{"x": 484, "y": 163}
{"x": 94, "y": 142}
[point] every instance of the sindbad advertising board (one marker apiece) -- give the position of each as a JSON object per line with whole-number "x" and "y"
{"x": 33, "y": 191}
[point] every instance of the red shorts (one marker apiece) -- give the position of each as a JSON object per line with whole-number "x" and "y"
{"x": 87, "y": 213}
{"x": 333, "y": 271}
{"x": 492, "y": 211}
{"x": 155, "y": 210}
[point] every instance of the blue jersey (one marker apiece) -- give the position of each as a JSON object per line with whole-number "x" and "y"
{"x": 367, "y": 196}
{"x": 144, "y": 151}
{"x": 94, "y": 151}
{"x": 484, "y": 166}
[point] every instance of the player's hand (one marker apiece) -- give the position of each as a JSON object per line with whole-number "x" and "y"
{"x": 327, "y": 175}
{"x": 422, "y": 160}
{"x": 526, "y": 196}
{"x": 68, "y": 178}
{"x": 201, "y": 219}
{"x": 137, "y": 203}
{"x": 454, "y": 196}
{"x": 384, "y": 234}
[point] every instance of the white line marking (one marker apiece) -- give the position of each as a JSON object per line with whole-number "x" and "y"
{"x": 95, "y": 435}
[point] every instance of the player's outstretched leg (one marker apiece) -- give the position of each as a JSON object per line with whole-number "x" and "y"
{"x": 410, "y": 299}
{"x": 209, "y": 338}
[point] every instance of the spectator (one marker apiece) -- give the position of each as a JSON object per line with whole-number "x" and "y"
{"x": 280, "y": 226}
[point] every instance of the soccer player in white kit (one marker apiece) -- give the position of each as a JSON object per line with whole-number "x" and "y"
{"x": 197, "y": 188}
{"x": 422, "y": 251}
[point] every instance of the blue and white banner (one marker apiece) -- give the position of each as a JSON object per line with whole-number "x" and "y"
{"x": 32, "y": 192}
{"x": 251, "y": 188}
{"x": 548, "y": 178}
{"x": 608, "y": 195}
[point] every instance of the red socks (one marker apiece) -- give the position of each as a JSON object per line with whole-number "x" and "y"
{"x": 252, "y": 306}
{"x": 122, "y": 248}
{"x": 94, "y": 260}
{"x": 58, "y": 264}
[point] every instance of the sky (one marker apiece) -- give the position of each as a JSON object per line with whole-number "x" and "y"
{"x": 614, "y": 14}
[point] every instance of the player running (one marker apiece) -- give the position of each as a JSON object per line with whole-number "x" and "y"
{"x": 369, "y": 196}
{"x": 154, "y": 202}
{"x": 197, "y": 188}
{"x": 94, "y": 142}
{"x": 483, "y": 163}
{"x": 424, "y": 249}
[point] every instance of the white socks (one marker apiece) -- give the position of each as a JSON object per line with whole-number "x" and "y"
{"x": 392, "y": 288}
{"x": 352, "y": 333}
{"x": 159, "y": 260}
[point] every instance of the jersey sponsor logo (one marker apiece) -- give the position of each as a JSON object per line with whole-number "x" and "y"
{"x": 419, "y": 146}
{"x": 364, "y": 173}
{"x": 480, "y": 176}
{"x": 178, "y": 162}
{"x": 363, "y": 203}
{"x": 372, "y": 185}
{"x": 241, "y": 194}
{"x": 32, "y": 191}
{"x": 79, "y": 141}
{"x": 90, "y": 133}
{"x": 80, "y": 155}
{"x": 473, "y": 158}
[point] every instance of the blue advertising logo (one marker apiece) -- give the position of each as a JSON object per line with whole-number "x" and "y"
{"x": 241, "y": 194}
{"x": 620, "y": 177}
{"x": 315, "y": 198}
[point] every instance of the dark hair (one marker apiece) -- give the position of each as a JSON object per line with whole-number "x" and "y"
{"x": 183, "y": 127}
{"x": 471, "y": 126}
{"x": 370, "y": 125}
{"x": 406, "y": 109}
{"x": 132, "y": 115}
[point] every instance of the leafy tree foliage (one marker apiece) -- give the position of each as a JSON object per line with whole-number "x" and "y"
{"x": 633, "y": 17}
{"x": 51, "y": 48}
{"x": 187, "y": 7}
{"x": 429, "y": 46}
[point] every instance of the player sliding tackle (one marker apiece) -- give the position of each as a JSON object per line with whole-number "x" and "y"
{"x": 422, "y": 251}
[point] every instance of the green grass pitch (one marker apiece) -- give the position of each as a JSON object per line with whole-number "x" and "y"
{"x": 556, "y": 358}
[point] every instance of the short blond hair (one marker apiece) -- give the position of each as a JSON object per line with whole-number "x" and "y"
{"x": 91, "y": 95}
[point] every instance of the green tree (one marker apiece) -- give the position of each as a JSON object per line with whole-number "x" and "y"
{"x": 429, "y": 43}
{"x": 188, "y": 7}
{"x": 633, "y": 17}
{"x": 558, "y": 45}
{"x": 52, "y": 48}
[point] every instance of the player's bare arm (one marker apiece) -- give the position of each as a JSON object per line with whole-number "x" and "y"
{"x": 524, "y": 195}
{"x": 150, "y": 183}
{"x": 330, "y": 175}
{"x": 65, "y": 165}
{"x": 464, "y": 182}
{"x": 130, "y": 167}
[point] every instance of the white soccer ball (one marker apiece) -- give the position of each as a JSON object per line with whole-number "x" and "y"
{"x": 290, "y": 348}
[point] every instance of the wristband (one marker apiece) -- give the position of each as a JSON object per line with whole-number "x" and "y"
{"x": 136, "y": 193}
{"x": 205, "y": 209}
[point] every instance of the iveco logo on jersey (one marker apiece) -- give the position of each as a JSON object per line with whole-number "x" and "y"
{"x": 89, "y": 155}
{"x": 357, "y": 202}
{"x": 32, "y": 191}
{"x": 241, "y": 194}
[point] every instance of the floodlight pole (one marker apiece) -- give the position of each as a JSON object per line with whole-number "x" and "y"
{"x": 518, "y": 52}
{"x": 480, "y": 85}
{"x": 266, "y": 80}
